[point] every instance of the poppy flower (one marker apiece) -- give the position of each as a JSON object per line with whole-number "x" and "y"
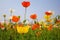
{"x": 33, "y": 16}
{"x": 25, "y": 4}
{"x": 50, "y": 27}
{"x": 47, "y": 17}
{"x": 48, "y": 13}
{"x": 45, "y": 25}
{"x": 49, "y": 20}
{"x": 23, "y": 29}
{"x": 15, "y": 18}
{"x": 35, "y": 26}
{"x": 2, "y": 26}
{"x": 58, "y": 21}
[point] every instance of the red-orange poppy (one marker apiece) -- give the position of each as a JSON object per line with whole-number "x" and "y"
{"x": 58, "y": 21}
{"x": 50, "y": 27}
{"x": 25, "y": 3}
{"x": 48, "y": 13}
{"x": 1, "y": 26}
{"x": 15, "y": 18}
{"x": 33, "y": 16}
{"x": 35, "y": 26}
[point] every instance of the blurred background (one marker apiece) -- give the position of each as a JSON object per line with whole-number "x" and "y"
{"x": 37, "y": 6}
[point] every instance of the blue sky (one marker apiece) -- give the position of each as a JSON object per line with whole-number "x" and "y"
{"x": 37, "y": 6}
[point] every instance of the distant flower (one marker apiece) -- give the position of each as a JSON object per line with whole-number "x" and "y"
{"x": 2, "y": 27}
{"x": 50, "y": 27}
{"x": 35, "y": 26}
{"x": 11, "y": 10}
{"x": 33, "y": 16}
{"x": 41, "y": 22}
{"x": 48, "y": 13}
{"x": 57, "y": 21}
{"x": 4, "y": 15}
{"x": 47, "y": 17}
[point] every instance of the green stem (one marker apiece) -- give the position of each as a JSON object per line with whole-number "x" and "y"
{"x": 25, "y": 13}
{"x": 22, "y": 36}
{"x": 4, "y": 20}
{"x": 11, "y": 16}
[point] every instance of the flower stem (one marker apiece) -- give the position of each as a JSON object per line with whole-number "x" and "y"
{"x": 25, "y": 13}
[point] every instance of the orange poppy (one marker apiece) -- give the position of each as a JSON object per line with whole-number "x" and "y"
{"x": 33, "y": 16}
{"x": 50, "y": 27}
{"x": 34, "y": 26}
{"x": 15, "y": 18}
{"x": 1, "y": 26}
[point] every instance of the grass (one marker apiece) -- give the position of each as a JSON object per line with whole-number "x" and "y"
{"x": 44, "y": 34}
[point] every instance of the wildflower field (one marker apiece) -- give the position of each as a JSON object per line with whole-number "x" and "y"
{"x": 37, "y": 30}
{"x": 14, "y": 29}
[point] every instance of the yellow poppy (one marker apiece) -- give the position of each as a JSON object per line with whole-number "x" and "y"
{"x": 49, "y": 20}
{"x": 47, "y": 17}
{"x": 24, "y": 29}
{"x": 45, "y": 25}
{"x": 41, "y": 22}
